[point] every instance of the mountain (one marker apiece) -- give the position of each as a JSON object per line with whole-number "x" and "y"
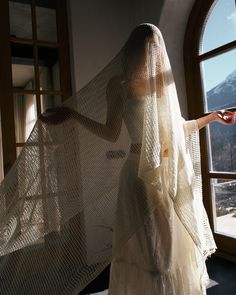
{"x": 223, "y": 138}
{"x": 223, "y": 144}
{"x": 224, "y": 94}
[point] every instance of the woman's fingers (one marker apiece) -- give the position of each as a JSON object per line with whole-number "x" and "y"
{"x": 226, "y": 117}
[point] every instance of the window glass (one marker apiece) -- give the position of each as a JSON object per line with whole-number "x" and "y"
{"x": 220, "y": 27}
{"x": 20, "y": 19}
{"x": 224, "y": 196}
{"x": 219, "y": 81}
{"x": 25, "y": 115}
{"x": 23, "y": 75}
{"x": 46, "y": 20}
{"x": 49, "y": 68}
{"x": 222, "y": 147}
{"x": 49, "y": 101}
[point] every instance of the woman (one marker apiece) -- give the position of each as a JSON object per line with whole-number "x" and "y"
{"x": 162, "y": 253}
{"x": 77, "y": 188}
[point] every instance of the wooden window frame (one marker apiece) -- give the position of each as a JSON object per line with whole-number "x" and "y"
{"x": 7, "y": 90}
{"x": 192, "y": 59}
{"x": 75, "y": 224}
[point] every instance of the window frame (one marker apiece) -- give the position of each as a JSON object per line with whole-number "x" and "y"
{"x": 195, "y": 96}
{"x": 7, "y": 90}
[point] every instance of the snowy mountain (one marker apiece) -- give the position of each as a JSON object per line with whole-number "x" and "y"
{"x": 223, "y": 138}
{"x": 223, "y": 143}
{"x": 224, "y": 94}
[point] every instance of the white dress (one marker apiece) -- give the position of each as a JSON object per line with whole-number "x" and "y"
{"x": 158, "y": 259}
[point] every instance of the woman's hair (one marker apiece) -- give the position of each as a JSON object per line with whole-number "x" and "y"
{"x": 135, "y": 47}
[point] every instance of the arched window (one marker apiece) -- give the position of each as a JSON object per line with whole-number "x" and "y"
{"x": 210, "y": 63}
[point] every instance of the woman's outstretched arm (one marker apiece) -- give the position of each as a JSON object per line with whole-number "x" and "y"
{"x": 222, "y": 117}
{"x": 111, "y": 129}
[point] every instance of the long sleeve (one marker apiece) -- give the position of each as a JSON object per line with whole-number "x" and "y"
{"x": 190, "y": 126}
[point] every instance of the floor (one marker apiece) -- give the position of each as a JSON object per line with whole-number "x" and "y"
{"x": 222, "y": 274}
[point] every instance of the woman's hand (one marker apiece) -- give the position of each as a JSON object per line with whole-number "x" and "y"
{"x": 224, "y": 117}
{"x": 56, "y": 115}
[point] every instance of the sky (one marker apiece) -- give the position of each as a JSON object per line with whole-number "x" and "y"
{"x": 220, "y": 29}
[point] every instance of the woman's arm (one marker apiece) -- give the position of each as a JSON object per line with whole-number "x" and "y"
{"x": 223, "y": 117}
{"x": 111, "y": 129}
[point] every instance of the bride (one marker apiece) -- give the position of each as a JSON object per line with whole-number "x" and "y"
{"x": 166, "y": 253}
{"x": 111, "y": 176}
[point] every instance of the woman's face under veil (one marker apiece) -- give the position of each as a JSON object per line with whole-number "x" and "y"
{"x": 143, "y": 70}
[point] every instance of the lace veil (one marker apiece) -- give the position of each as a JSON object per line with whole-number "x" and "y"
{"x": 58, "y": 203}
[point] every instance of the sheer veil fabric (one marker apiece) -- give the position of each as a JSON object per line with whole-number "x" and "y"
{"x": 82, "y": 195}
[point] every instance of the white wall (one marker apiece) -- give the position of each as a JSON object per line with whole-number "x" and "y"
{"x": 98, "y": 29}
{"x": 147, "y": 11}
{"x": 173, "y": 21}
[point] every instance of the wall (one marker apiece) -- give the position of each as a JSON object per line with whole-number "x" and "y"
{"x": 98, "y": 29}
{"x": 173, "y": 21}
{"x": 147, "y": 11}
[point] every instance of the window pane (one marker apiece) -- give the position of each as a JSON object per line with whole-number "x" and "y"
{"x": 18, "y": 150}
{"x": 25, "y": 115}
{"x": 220, "y": 27}
{"x": 23, "y": 76}
{"x": 224, "y": 196}
{"x": 49, "y": 101}
{"x": 222, "y": 147}
{"x": 20, "y": 19}
{"x": 49, "y": 69}
{"x": 22, "y": 66}
{"x": 219, "y": 81}
{"x": 46, "y": 20}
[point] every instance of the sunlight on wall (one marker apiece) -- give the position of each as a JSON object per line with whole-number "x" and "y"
{"x": 31, "y": 116}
